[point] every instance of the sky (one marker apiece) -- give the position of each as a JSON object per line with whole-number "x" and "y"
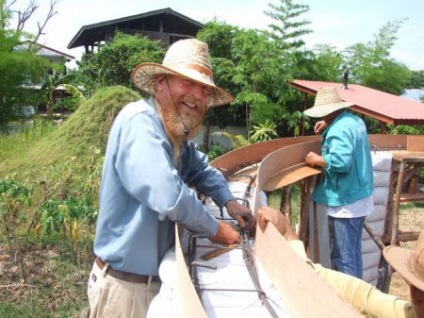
{"x": 338, "y": 23}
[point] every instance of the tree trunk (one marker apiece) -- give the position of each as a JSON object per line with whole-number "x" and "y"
{"x": 206, "y": 136}
{"x": 49, "y": 106}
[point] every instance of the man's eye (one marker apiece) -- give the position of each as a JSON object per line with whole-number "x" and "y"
{"x": 188, "y": 82}
{"x": 207, "y": 90}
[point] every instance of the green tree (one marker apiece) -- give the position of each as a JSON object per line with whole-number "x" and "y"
{"x": 288, "y": 29}
{"x": 51, "y": 82}
{"x": 261, "y": 74}
{"x": 371, "y": 65}
{"x": 326, "y": 64}
{"x": 20, "y": 67}
{"x": 248, "y": 64}
{"x": 298, "y": 122}
{"x": 220, "y": 36}
{"x": 113, "y": 63}
{"x": 417, "y": 79}
{"x": 298, "y": 62}
{"x": 256, "y": 65}
{"x": 252, "y": 67}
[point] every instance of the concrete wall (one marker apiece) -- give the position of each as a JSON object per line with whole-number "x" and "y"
{"x": 221, "y": 140}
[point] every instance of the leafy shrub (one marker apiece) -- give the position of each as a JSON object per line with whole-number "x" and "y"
{"x": 69, "y": 103}
{"x": 215, "y": 151}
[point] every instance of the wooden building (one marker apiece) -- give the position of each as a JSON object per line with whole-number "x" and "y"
{"x": 165, "y": 25}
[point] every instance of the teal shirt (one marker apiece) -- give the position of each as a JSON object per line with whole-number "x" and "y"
{"x": 346, "y": 152}
{"x": 143, "y": 193}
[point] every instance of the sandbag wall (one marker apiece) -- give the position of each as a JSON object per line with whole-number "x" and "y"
{"x": 371, "y": 253}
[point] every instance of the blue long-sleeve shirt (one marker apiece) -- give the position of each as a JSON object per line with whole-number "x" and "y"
{"x": 349, "y": 172}
{"x": 142, "y": 193}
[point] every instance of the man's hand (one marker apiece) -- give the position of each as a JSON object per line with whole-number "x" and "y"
{"x": 417, "y": 299}
{"x": 226, "y": 234}
{"x": 313, "y": 159}
{"x": 237, "y": 210}
{"x": 279, "y": 220}
{"x": 320, "y": 126}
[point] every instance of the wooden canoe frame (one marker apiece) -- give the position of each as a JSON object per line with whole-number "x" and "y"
{"x": 281, "y": 165}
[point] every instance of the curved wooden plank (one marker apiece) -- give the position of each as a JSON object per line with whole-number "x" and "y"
{"x": 289, "y": 176}
{"x": 304, "y": 293}
{"x": 188, "y": 301}
{"x": 245, "y": 156}
{"x": 280, "y": 160}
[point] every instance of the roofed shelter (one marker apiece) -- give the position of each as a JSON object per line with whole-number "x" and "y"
{"x": 165, "y": 25}
{"x": 384, "y": 107}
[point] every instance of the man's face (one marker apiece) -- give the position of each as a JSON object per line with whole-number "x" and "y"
{"x": 182, "y": 104}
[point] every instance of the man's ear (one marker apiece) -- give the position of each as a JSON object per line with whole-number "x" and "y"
{"x": 160, "y": 82}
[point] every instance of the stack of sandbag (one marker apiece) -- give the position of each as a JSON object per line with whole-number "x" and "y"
{"x": 371, "y": 253}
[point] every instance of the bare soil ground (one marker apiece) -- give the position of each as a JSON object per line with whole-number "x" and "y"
{"x": 410, "y": 220}
{"x": 40, "y": 280}
{"x": 36, "y": 275}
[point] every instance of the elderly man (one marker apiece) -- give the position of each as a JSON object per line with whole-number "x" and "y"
{"x": 365, "y": 298}
{"x": 149, "y": 171}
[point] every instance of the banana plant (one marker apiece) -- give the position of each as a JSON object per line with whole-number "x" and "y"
{"x": 13, "y": 197}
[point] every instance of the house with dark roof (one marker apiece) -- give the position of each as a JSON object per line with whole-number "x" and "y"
{"x": 165, "y": 25}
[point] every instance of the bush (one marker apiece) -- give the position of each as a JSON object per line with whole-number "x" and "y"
{"x": 215, "y": 151}
{"x": 69, "y": 103}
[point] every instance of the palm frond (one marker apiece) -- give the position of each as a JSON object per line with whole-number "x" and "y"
{"x": 237, "y": 141}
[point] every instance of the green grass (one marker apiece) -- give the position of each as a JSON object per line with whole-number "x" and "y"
{"x": 14, "y": 147}
{"x": 410, "y": 205}
{"x": 46, "y": 245}
{"x": 275, "y": 200}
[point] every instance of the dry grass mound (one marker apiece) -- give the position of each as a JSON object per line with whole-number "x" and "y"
{"x": 89, "y": 126}
{"x": 83, "y": 131}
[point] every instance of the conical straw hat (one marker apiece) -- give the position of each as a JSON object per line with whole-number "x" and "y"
{"x": 327, "y": 101}
{"x": 187, "y": 58}
{"x": 408, "y": 263}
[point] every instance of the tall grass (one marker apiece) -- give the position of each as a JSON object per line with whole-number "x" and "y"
{"x": 15, "y": 141}
{"x": 48, "y": 252}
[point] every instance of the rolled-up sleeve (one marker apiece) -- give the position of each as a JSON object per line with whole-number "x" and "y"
{"x": 339, "y": 156}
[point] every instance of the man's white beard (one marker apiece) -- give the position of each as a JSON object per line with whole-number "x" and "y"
{"x": 177, "y": 124}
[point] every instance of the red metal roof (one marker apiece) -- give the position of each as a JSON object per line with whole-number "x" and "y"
{"x": 382, "y": 106}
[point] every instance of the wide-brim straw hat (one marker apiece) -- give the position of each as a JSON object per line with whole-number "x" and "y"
{"x": 327, "y": 101}
{"x": 187, "y": 58}
{"x": 408, "y": 263}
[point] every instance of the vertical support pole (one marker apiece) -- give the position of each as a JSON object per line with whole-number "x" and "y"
{"x": 396, "y": 203}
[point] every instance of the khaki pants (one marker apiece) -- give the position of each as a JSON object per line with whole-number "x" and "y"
{"x": 112, "y": 297}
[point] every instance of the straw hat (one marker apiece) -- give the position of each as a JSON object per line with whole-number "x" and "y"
{"x": 327, "y": 101}
{"x": 187, "y": 58}
{"x": 408, "y": 263}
